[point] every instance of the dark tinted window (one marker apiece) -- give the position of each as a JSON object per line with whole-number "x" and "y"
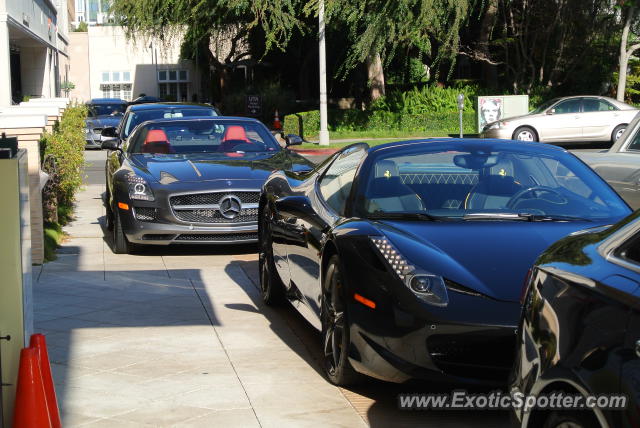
{"x": 335, "y": 185}
{"x": 593, "y": 104}
{"x": 569, "y": 106}
{"x": 106, "y": 109}
{"x": 635, "y": 142}
{"x": 631, "y": 250}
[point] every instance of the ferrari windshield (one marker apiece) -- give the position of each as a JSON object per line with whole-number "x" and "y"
{"x": 510, "y": 184}
{"x": 202, "y": 136}
{"x": 136, "y": 117}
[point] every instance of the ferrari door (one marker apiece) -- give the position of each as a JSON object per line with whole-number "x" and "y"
{"x": 322, "y": 206}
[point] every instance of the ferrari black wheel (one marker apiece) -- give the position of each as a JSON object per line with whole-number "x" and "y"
{"x": 121, "y": 244}
{"x": 271, "y": 286}
{"x": 335, "y": 329}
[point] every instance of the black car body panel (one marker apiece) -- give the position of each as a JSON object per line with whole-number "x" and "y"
{"x": 580, "y": 328}
{"x": 484, "y": 265}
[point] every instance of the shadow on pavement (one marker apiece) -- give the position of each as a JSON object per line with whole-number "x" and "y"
{"x": 376, "y": 401}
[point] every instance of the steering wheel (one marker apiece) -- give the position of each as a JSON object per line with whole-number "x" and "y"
{"x": 537, "y": 192}
{"x": 249, "y": 147}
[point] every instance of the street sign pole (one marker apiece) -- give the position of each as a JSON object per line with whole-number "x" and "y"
{"x": 324, "y": 128}
{"x": 461, "y": 109}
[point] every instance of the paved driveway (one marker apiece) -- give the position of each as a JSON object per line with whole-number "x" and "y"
{"x": 178, "y": 337}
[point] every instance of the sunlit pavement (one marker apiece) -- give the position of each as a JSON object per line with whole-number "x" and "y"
{"x": 178, "y": 336}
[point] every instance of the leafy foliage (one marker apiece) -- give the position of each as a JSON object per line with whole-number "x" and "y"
{"x": 426, "y": 100}
{"x": 358, "y": 123}
{"x": 66, "y": 144}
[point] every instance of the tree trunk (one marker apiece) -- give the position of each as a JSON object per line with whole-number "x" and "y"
{"x": 624, "y": 54}
{"x": 489, "y": 71}
{"x": 376, "y": 76}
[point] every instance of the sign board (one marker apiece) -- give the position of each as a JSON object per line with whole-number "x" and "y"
{"x": 254, "y": 105}
{"x": 497, "y": 107}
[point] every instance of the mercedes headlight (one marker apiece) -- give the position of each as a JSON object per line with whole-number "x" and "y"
{"x": 139, "y": 188}
{"x": 427, "y": 286}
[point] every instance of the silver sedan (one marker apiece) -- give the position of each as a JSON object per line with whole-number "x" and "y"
{"x": 580, "y": 118}
{"x": 620, "y": 165}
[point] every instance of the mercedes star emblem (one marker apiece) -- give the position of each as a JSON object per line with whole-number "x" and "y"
{"x": 230, "y": 206}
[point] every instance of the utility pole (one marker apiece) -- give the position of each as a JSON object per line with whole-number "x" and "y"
{"x": 324, "y": 129}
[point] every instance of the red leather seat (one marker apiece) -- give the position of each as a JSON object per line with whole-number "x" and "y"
{"x": 233, "y": 136}
{"x": 157, "y": 142}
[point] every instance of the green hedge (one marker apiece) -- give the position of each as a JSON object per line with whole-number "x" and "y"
{"x": 66, "y": 143}
{"x": 345, "y": 122}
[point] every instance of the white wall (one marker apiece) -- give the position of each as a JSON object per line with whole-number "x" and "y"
{"x": 109, "y": 50}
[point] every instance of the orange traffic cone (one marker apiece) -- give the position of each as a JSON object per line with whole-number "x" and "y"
{"x": 39, "y": 342}
{"x": 30, "y": 409}
{"x": 277, "y": 125}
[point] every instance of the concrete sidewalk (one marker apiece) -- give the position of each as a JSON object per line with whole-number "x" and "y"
{"x": 177, "y": 337}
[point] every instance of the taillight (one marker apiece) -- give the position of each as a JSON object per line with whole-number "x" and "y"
{"x": 525, "y": 286}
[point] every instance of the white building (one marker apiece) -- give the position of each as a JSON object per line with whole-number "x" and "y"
{"x": 34, "y": 44}
{"x": 105, "y": 64}
{"x": 93, "y": 12}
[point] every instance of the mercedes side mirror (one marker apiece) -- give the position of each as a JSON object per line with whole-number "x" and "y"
{"x": 110, "y": 144}
{"x": 109, "y": 132}
{"x": 552, "y": 111}
{"x": 292, "y": 140}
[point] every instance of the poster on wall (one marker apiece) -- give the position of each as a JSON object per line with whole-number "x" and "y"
{"x": 496, "y": 107}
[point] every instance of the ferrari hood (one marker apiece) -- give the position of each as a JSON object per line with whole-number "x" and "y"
{"x": 491, "y": 257}
{"x": 210, "y": 166}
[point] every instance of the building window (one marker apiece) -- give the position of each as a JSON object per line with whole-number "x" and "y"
{"x": 117, "y": 84}
{"x": 173, "y": 85}
{"x": 173, "y": 76}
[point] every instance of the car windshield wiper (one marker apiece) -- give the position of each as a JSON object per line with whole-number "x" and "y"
{"x": 522, "y": 217}
{"x": 404, "y": 216}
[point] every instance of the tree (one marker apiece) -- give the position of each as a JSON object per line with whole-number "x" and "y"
{"x": 543, "y": 45}
{"x": 378, "y": 28}
{"x": 214, "y": 31}
{"x": 628, "y": 43}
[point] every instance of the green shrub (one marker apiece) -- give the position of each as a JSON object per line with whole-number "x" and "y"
{"x": 66, "y": 144}
{"x": 428, "y": 99}
{"x": 344, "y": 123}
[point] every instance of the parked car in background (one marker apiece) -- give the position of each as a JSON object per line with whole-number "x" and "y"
{"x": 103, "y": 113}
{"x": 580, "y": 330}
{"x": 620, "y": 165}
{"x": 136, "y": 114}
{"x": 568, "y": 119}
{"x": 145, "y": 99}
{"x": 191, "y": 180}
{"x": 409, "y": 257}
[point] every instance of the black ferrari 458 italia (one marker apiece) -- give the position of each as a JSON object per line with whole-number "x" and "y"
{"x": 410, "y": 257}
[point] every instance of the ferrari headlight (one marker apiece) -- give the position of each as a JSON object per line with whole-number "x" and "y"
{"x": 425, "y": 285}
{"x": 139, "y": 188}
